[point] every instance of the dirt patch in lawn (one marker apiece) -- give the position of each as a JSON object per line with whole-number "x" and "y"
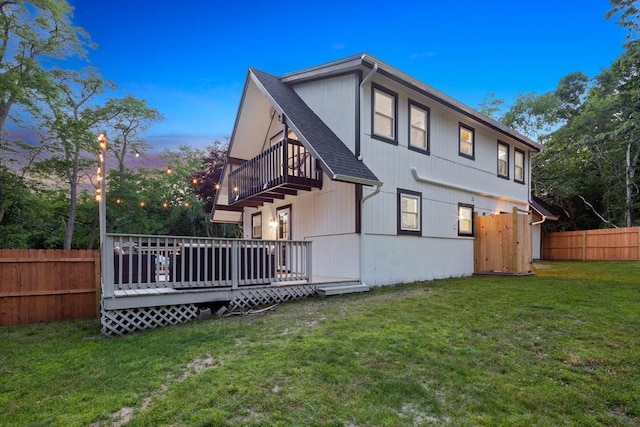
{"x": 125, "y": 414}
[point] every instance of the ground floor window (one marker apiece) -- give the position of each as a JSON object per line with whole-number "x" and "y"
{"x": 465, "y": 220}
{"x": 256, "y": 226}
{"x": 409, "y": 212}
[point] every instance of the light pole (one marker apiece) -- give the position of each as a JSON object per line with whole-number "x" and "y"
{"x": 102, "y": 191}
{"x": 101, "y": 196}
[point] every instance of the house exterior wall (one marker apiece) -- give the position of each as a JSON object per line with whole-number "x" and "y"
{"x": 325, "y": 217}
{"x": 328, "y": 216}
{"x": 438, "y": 250}
{"x": 334, "y": 101}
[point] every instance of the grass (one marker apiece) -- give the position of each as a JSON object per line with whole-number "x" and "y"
{"x": 557, "y": 348}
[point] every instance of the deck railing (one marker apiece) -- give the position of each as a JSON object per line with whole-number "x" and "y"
{"x": 287, "y": 162}
{"x": 154, "y": 262}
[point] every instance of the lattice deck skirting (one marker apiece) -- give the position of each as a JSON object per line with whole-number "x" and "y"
{"x": 253, "y": 297}
{"x": 122, "y": 322}
{"x": 125, "y": 321}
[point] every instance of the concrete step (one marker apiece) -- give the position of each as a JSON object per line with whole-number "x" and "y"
{"x": 343, "y": 288}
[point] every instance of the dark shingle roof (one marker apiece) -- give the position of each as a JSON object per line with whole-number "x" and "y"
{"x": 337, "y": 160}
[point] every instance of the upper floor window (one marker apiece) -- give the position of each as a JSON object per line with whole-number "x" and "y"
{"x": 467, "y": 141}
{"x": 465, "y": 220}
{"x": 409, "y": 212}
{"x": 503, "y": 160}
{"x": 418, "y": 127}
{"x": 518, "y": 172}
{"x": 384, "y": 114}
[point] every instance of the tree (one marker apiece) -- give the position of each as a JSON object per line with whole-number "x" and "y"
{"x": 130, "y": 117}
{"x": 70, "y": 141}
{"x": 628, "y": 16}
{"x": 32, "y": 31}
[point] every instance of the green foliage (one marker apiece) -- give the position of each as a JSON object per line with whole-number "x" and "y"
{"x": 628, "y": 16}
{"x": 592, "y": 142}
{"x": 557, "y": 348}
{"x": 32, "y": 31}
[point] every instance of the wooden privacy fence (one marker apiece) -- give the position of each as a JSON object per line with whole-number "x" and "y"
{"x": 613, "y": 244}
{"x": 45, "y": 285}
{"x": 503, "y": 243}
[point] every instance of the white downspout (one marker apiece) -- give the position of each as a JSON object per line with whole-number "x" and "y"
{"x": 362, "y": 228}
{"x": 378, "y": 187}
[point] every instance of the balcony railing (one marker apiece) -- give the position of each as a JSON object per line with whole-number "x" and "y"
{"x": 283, "y": 168}
{"x": 138, "y": 262}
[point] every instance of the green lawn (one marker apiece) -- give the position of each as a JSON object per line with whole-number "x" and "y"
{"x": 557, "y": 348}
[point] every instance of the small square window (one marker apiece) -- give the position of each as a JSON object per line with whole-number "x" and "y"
{"x": 418, "y": 127}
{"x": 518, "y": 173}
{"x": 465, "y": 220}
{"x": 384, "y": 114}
{"x": 256, "y": 226}
{"x": 467, "y": 141}
{"x": 503, "y": 160}
{"x": 409, "y": 212}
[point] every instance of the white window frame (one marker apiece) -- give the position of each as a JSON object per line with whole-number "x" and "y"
{"x": 410, "y": 195}
{"x": 465, "y": 231}
{"x": 518, "y": 153}
{"x": 375, "y": 114}
{"x": 471, "y": 144}
{"x": 424, "y": 129}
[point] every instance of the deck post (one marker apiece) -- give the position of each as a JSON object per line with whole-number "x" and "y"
{"x": 106, "y": 258}
{"x": 235, "y": 263}
{"x": 309, "y": 263}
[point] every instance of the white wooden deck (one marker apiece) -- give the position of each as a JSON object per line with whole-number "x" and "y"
{"x": 150, "y": 281}
{"x": 150, "y": 297}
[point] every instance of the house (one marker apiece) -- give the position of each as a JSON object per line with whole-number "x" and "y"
{"x": 380, "y": 172}
{"x": 344, "y": 176}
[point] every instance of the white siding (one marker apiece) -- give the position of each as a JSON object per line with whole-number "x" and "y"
{"x": 401, "y": 259}
{"x": 327, "y": 218}
{"x": 439, "y": 251}
{"x": 334, "y": 101}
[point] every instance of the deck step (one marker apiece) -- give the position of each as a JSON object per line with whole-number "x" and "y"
{"x": 347, "y": 288}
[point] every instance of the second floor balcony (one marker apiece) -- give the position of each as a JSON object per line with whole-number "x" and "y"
{"x": 283, "y": 169}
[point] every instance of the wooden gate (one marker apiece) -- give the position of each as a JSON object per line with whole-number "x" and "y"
{"x": 503, "y": 243}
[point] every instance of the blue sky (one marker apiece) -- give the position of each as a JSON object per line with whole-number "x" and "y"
{"x": 189, "y": 59}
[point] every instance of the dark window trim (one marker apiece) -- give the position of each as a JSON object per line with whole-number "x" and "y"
{"x": 428, "y": 130}
{"x": 524, "y": 162}
{"x": 281, "y": 208}
{"x": 393, "y": 140}
{"x": 503, "y": 144}
{"x": 473, "y": 226}
{"x": 448, "y": 104}
{"x": 417, "y": 194}
{"x": 257, "y": 214}
{"x": 473, "y": 141}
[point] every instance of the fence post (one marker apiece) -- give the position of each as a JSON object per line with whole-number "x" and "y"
{"x": 98, "y": 268}
{"x": 515, "y": 237}
{"x": 584, "y": 245}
